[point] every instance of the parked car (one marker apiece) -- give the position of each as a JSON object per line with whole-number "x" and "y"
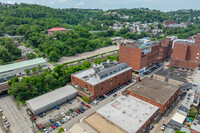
{"x": 56, "y": 124}
{"x": 83, "y": 103}
{"x": 67, "y": 117}
{"x": 57, "y": 107}
{"x": 87, "y": 106}
{"x": 60, "y": 124}
{"x": 61, "y": 121}
{"x": 7, "y": 124}
{"x": 71, "y": 110}
{"x": 44, "y": 114}
{"x": 33, "y": 117}
{"x": 1, "y": 110}
{"x": 51, "y": 120}
{"x": 69, "y": 102}
{"x": 50, "y": 129}
{"x": 72, "y": 115}
{"x": 163, "y": 127}
{"x": 45, "y": 130}
{"x": 170, "y": 108}
{"x": 77, "y": 112}
{"x": 114, "y": 95}
{"x": 4, "y": 118}
{"x": 41, "y": 126}
{"x": 52, "y": 126}
{"x": 63, "y": 114}
{"x": 41, "y": 115}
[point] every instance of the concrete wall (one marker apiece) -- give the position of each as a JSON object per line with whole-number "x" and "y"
{"x": 171, "y": 81}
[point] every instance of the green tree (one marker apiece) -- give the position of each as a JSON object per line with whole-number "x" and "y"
{"x": 193, "y": 112}
{"x": 34, "y": 69}
{"x": 31, "y": 55}
{"x": 61, "y": 130}
{"x": 86, "y": 99}
{"x": 39, "y": 68}
{"x": 27, "y": 71}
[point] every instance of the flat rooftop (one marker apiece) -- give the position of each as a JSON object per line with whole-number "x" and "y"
{"x": 97, "y": 121}
{"x": 174, "y": 74}
{"x": 129, "y": 113}
{"x": 102, "y": 72}
{"x": 51, "y": 97}
{"x": 155, "y": 90}
{"x": 21, "y": 64}
{"x": 140, "y": 44}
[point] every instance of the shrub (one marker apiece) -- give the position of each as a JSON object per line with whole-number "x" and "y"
{"x": 86, "y": 99}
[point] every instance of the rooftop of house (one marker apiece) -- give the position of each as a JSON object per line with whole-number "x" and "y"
{"x": 102, "y": 72}
{"x": 57, "y": 29}
{"x": 128, "y": 112}
{"x": 155, "y": 90}
{"x": 140, "y": 43}
{"x": 175, "y": 74}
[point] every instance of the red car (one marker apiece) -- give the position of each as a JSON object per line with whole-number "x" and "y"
{"x": 87, "y": 106}
{"x": 33, "y": 117}
{"x": 41, "y": 126}
{"x": 52, "y": 126}
{"x": 77, "y": 112}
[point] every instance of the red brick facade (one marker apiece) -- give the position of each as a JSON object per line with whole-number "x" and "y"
{"x": 103, "y": 87}
{"x": 186, "y": 55}
{"x": 165, "y": 49}
{"x": 136, "y": 59}
{"x": 162, "y": 107}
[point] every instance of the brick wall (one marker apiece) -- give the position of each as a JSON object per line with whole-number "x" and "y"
{"x": 105, "y": 86}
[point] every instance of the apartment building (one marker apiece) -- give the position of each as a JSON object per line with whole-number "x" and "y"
{"x": 100, "y": 79}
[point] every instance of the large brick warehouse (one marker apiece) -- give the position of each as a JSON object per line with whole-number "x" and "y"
{"x": 99, "y": 80}
{"x": 186, "y": 55}
{"x": 155, "y": 92}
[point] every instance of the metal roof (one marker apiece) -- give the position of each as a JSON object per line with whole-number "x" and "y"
{"x": 22, "y": 64}
{"x": 129, "y": 113}
{"x": 46, "y": 99}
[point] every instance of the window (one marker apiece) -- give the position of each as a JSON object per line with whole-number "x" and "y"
{"x": 115, "y": 77}
{"x": 102, "y": 88}
{"x": 197, "y": 57}
{"x": 111, "y": 79}
{"x": 197, "y": 53}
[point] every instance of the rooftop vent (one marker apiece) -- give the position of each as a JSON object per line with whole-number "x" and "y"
{"x": 170, "y": 87}
{"x": 138, "y": 87}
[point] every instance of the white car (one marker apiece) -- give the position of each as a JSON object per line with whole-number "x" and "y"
{"x": 1, "y": 110}
{"x": 163, "y": 127}
{"x": 63, "y": 114}
{"x": 50, "y": 129}
{"x": 68, "y": 118}
{"x": 60, "y": 124}
{"x": 65, "y": 119}
{"x": 7, "y": 124}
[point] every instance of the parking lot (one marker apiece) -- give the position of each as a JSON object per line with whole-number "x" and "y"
{"x": 55, "y": 114}
{"x": 19, "y": 122}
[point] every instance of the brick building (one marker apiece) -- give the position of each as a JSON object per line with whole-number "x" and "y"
{"x": 166, "y": 48}
{"x": 141, "y": 55}
{"x": 186, "y": 55}
{"x": 101, "y": 79}
{"x": 52, "y": 30}
{"x": 155, "y": 92}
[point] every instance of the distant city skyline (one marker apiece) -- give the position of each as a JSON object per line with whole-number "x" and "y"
{"x": 114, "y": 4}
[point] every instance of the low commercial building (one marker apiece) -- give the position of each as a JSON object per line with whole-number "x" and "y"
{"x": 175, "y": 77}
{"x": 52, "y": 30}
{"x": 155, "y": 92}
{"x": 141, "y": 55}
{"x": 18, "y": 69}
{"x": 99, "y": 80}
{"x": 50, "y": 100}
{"x": 124, "y": 114}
